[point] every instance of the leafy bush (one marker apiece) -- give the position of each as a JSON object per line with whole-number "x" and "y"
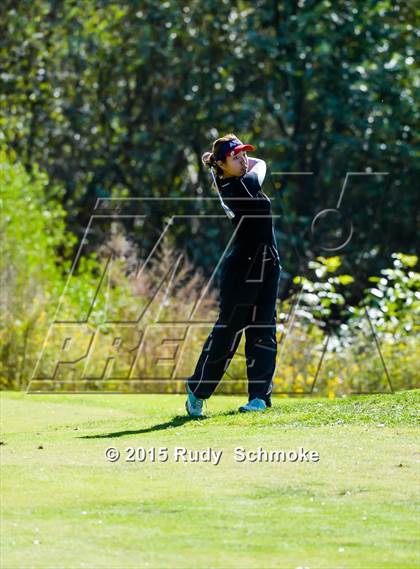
{"x": 329, "y": 347}
{"x": 34, "y": 264}
{"x": 324, "y": 345}
{"x": 394, "y": 301}
{"x": 32, "y": 230}
{"x": 321, "y": 302}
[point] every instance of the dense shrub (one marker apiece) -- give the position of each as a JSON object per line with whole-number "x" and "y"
{"x": 325, "y": 346}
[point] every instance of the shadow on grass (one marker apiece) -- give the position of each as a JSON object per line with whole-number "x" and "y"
{"x": 177, "y": 421}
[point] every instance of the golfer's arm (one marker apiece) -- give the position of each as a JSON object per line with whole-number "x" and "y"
{"x": 259, "y": 167}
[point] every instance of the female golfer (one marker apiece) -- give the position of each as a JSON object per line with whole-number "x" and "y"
{"x": 249, "y": 281}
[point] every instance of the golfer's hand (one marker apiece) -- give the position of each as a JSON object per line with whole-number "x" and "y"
{"x": 205, "y": 159}
{"x": 252, "y": 162}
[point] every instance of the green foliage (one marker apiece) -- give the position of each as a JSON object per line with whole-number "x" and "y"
{"x": 372, "y": 346}
{"x": 395, "y": 298}
{"x": 33, "y": 223}
{"x": 388, "y": 314}
{"x": 32, "y": 228}
{"x": 114, "y": 99}
{"x": 122, "y": 98}
{"x": 33, "y": 265}
{"x": 321, "y": 300}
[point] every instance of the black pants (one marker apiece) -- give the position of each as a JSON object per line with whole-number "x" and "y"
{"x": 248, "y": 293}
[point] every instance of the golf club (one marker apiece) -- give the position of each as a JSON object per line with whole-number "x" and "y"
{"x": 228, "y": 211}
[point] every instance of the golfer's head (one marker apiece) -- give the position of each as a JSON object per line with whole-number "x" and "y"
{"x": 228, "y": 156}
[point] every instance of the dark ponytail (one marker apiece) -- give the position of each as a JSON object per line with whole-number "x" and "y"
{"x": 208, "y": 158}
{"x": 209, "y": 161}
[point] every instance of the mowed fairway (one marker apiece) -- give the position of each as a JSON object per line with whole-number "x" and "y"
{"x": 66, "y": 506}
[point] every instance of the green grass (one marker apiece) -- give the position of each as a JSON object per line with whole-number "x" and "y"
{"x": 66, "y": 506}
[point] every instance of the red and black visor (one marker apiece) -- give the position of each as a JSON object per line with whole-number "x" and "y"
{"x": 232, "y": 147}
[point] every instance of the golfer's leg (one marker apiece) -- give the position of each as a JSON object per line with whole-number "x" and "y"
{"x": 217, "y": 352}
{"x": 260, "y": 337}
{"x": 236, "y": 300}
